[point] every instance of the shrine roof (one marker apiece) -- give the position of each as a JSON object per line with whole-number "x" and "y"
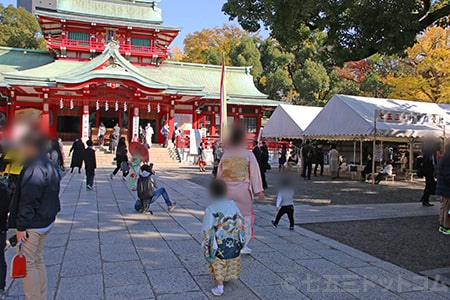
{"x": 38, "y": 68}
{"x": 14, "y": 59}
{"x": 104, "y": 20}
{"x": 140, "y": 11}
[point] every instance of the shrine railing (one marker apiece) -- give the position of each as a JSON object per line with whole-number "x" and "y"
{"x": 82, "y": 45}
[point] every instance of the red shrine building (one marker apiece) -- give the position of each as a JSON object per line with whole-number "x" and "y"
{"x": 108, "y": 62}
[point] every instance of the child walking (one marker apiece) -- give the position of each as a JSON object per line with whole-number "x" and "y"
{"x": 285, "y": 203}
{"x": 223, "y": 237}
{"x": 90, "y": 164}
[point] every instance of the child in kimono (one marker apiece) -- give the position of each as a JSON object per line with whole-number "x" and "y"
{"x": 223, "y": 237}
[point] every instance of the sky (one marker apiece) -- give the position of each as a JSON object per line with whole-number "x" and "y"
{"x": 190, "y": 15}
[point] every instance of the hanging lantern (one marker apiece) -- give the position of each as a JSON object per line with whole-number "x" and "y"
{"x": 71, "y": 103}
{"x": 117, "y": 106}
{"x": 159, "y": 108}
{"x": 125, "y": 107}
{"x": 97, "y": 105}
{"x": 149, "y": 108}
{"x": 106, "y": 106}
{"x": 61, "y": 103}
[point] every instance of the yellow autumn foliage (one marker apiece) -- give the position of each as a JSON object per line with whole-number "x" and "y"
{"x": 426, "y": 76}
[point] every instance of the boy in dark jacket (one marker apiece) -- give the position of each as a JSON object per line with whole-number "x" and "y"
{"x": 90, "y": 164}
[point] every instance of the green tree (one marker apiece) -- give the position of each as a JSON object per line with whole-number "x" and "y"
{"x": 311, "y": 82}
{"x": 246, "y": 53}
{"x": 19, "y": 29}
{"x": 355, "y": 29}
{"x": 277, "y": 84}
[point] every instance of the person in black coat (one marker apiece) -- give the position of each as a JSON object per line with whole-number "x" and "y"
{"x": 33, "y": 211}
{"x": 90, "y": 164}
{"x": 318, "y": 157}
{"x": 443, "y": 189}
{"x": 428, "y": 164}
{"x": 262, "y": 165}
{"x": 77, "y": 157}
{"x": 121, "y": 159}
{"x": 308, "y": 156}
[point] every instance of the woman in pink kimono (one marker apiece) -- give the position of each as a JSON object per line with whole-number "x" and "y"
{"x": 240, "y": 171}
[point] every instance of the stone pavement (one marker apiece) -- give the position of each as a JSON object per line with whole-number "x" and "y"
{"x": 102, "y": 249}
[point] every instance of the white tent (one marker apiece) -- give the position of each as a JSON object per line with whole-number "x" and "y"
{"x": 350, "y": 117}
{"x": 289, "y": 121}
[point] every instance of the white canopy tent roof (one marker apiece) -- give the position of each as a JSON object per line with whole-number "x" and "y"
{"x": 351, "y": 117}
{"x": 289, "y": 121}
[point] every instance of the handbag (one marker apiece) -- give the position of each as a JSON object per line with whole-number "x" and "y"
{"x": 19, "y": 264}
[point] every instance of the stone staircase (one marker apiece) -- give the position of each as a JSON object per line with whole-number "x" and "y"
{"x": 161, "y": 157}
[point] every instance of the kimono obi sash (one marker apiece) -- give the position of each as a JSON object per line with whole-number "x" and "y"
{"x": 235, "y": 169}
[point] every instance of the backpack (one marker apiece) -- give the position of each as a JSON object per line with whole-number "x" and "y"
{"x": 145, "y": 188}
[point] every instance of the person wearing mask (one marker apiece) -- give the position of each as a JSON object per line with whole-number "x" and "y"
{"x": 33, "y": 211}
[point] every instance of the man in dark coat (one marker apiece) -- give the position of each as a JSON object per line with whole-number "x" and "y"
{"x": 90, "y": 164}
{"x": 33, "y": 211}
{"x": 307, "y": 156}
{"x": 318, "y": 157}
{"x": 428, "y": 164}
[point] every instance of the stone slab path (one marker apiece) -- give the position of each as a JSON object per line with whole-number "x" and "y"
{"x": 102, "y": 249}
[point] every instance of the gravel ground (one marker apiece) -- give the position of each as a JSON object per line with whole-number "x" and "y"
{"x": 412, "y": 243}
{"x": 324, "y": 191}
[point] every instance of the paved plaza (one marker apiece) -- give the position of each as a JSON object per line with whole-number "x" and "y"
{"x": 102, "y": 249}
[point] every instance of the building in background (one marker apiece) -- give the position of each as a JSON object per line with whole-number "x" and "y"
{"x": 31, "y": 4}
{"x": 107, "y": 62}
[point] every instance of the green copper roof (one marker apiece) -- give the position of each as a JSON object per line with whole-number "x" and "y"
{"x": 13, "y": 59}
{"x": 239, "y": 82}
{"x": 39, "y": 68}
{"x": 143, "y": 11}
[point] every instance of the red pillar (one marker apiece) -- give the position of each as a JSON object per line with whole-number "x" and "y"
{"x": 171, "y": 122}
{"x": 45, "y": 117}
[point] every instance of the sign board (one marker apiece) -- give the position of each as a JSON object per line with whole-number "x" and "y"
{"x": 386, "y": 116}
{"x": 85, "y": 127}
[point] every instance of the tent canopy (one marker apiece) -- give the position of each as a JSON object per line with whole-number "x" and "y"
{"x": 289, "y": 121}
{"x": 351, "y": 117}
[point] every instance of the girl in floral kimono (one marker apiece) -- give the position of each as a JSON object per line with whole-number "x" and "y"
{"x": 240, "y": 171}
{"x": 223, "y": 237}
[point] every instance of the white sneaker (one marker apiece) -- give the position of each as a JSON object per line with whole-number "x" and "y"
{"x": 172, "y": 207}
{"x": 246, "y": 250}
{"x": 217, "y": 292}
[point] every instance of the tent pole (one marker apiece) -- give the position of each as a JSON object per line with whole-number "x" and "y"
{"x": 411, "y": 156}
{"x": 354, "y": 152}
{"x": 361, "y": 153}
{"x": 374, "y": 146}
